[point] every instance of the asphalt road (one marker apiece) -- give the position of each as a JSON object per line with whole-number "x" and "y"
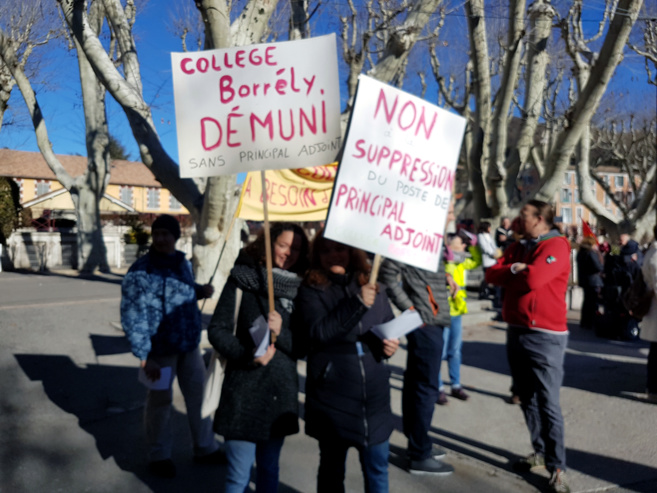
{"x": 71, "y": 408}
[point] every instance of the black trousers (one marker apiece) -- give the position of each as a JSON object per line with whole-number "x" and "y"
{"x": 424, "y": 355}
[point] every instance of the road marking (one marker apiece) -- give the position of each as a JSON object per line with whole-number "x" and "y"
{"x": 60, "y": 303}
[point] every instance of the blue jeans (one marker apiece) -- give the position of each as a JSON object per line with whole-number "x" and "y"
{"x": 452, "y": 352}
{"x": 536, "y": 360}
{"x": 332, "y": 464}
{"x": 241, "y": 455}
{"x": 424, "y": 353}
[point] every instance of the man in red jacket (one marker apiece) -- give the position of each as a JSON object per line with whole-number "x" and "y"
{"x": 535, "y": 272}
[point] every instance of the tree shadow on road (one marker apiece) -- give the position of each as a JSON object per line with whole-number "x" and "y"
{"x": 111, "y": 278}
{"x": 598, "y": 368}
{"x": 108, "y": 403}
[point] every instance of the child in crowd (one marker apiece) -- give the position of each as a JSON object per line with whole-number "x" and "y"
{"x": 458, "y": 260}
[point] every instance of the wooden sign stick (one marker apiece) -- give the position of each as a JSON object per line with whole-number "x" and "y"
{"x": 376, "y": 263}
{"x": 268, "y": 255}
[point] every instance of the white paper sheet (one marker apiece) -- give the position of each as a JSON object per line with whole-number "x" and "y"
{"x": 163, "y": 383}
{"x": 260, "y": 335}
{"x": 407, "y": 322}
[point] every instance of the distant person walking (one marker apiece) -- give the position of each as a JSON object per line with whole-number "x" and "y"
{"x": 630, "y": 249}
{"x": 161, "y": 319}
{"x": 649, "y": 322}
{"x": 534, "y": 306}
{"x": 503, "y": 238}
{"x": 504, "y": 234}
{"x": 590, "y": 265}
{"x": 489, "y": 255}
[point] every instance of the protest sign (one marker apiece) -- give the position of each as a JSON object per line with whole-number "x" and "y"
{"x": 293, "y": 194}
{"x": 396, "y": 176}
{"x": 256, "y": 107}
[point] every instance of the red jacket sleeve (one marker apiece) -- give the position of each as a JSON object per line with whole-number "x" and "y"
{"x": 499, "y": 273}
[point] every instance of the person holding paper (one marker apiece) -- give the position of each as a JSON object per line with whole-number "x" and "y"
{"x": 162, "y": 322}
{"x": 259, "y": 403}
{"x": 423, "y": 290}
{"x": 347, "y": 381}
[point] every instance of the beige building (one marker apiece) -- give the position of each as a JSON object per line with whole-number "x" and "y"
{"x": 132, "y": 187}
{"x": 568, "y": 201}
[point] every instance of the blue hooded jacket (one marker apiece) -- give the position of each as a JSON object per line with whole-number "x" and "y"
{"x": 159, "y": 310}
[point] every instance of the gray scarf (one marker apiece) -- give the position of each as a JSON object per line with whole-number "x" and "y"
{"x": 286, "y": 283}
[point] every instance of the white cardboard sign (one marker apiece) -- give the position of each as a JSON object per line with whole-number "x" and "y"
{"x": 256, "y": 107}
{"x": 395, "y": 180}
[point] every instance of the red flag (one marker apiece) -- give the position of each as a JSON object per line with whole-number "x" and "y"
{"x": 586, "y": 231}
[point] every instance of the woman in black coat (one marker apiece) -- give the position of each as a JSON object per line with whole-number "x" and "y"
{"x": 347, "y": 384}
{"x": 259, "y": 403}
{"x": 589, "y": 270}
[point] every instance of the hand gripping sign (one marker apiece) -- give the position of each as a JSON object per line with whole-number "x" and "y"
{"x": 395, "y": 180}
{"x": 257, "y": 107}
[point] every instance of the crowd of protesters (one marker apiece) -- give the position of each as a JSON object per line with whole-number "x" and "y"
{"x": 324, "y": 305}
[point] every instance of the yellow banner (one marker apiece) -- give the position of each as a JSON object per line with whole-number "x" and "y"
{"x": 301, "y": 194}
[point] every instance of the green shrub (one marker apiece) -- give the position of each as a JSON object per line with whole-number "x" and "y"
{"x": 9, "y": 208}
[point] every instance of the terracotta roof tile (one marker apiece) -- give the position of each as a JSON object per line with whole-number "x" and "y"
{"x": 24, "y": 164}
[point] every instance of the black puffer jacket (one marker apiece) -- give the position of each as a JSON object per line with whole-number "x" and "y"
{"x": 589, "y": 268}
{"x": 347, "y": 395}
{"x": 257, "y": 402}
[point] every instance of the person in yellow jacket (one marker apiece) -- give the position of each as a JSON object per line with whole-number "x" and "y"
{"x": 462, "y": 254}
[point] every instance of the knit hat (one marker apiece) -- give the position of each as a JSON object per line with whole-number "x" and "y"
{"x": 170, "y": 223}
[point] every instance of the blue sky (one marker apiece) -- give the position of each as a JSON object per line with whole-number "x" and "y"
{"x": 61, "y": 101}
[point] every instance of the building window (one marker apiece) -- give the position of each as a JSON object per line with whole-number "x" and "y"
{"x": 125, "y": 194}
{"x": 566, "y": 178}
{"x": 153, "y": 198}
{"x": 42, "y": 187}
{"x": 565, "y": 195}
{"x": 576, "y": 195}
{"x": 567, "y": 215}
{"x": 580, "y": 213}
{"x": 607, "y": 199}
{"x": 619, "y": 181}
{"x": 174, "y": 204}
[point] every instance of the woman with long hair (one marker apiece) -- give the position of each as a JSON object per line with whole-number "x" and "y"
{"x": 347, "y": 384}
{"x": 259, "y": 399}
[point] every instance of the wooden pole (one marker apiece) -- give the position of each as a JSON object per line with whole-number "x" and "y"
{"x": 376, "y": 263}
{"x": 268, "y": 255}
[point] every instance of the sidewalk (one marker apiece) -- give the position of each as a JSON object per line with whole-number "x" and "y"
{"x": 70, "y": 411}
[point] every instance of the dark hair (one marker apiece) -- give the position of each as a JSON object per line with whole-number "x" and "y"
{"x": 256, "y": 248}
{"x": 543, "y": 209}
{"x": 358, "y": 262}
{"x": 484, "y": 227}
